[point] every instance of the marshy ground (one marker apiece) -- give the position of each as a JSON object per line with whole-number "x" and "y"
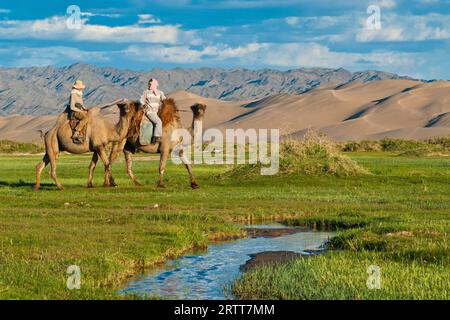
{"x": 397, "y": 217}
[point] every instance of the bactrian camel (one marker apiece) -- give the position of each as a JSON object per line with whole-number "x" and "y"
{"x": 170, "y": 118}
{"x": 99, "y": 133}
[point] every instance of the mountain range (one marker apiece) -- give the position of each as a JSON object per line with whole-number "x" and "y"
{"x": 45, "y": 90}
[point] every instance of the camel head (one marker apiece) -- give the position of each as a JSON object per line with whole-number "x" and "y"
{"x": 198, "y": 110}
{"x": 129, "y": 112}
{"x": 130, "y": 108}
{"x": 124, "y": 106}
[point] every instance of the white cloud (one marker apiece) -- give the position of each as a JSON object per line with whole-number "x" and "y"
{"x": 317, "y": 55}
{"x": 187, "y": 54}
{"x": 248, "y": 3}
{"x": 147, "y": 19}
{"x": 174, "y": 54}
{"x": 323, "y": 22}
{"x": 292, "y": 21}
{"x": 233, "y": 4}
{"x": 274, "y": 55}
{"x": 107, "y": 15}
{"x": 407, "y": 28}
{"x": 288, "y": 55}
{"x": 388, "y": 4}
{"x": 55, "y": 28}
{"x": 300, "y": 41}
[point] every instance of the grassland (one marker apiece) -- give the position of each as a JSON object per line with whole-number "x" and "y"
{"x": 398, "y": 218}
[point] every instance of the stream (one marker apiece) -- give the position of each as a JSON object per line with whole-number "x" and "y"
{"x": 205, "y": 274}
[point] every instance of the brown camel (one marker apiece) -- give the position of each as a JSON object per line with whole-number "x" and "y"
{"x": 99, "y": 133}
{"x": 170, "y": 118}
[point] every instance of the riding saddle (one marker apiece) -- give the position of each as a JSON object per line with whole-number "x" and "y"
{"x": 73, "y": 123}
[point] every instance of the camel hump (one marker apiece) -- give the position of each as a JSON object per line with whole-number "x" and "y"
{"x": 94, "y": 111}
{"x": 168, "y": 112}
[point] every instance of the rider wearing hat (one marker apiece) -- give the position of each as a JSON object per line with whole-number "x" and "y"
{"x": 77, "y": 109}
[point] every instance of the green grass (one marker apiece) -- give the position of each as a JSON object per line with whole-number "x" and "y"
{"x": 113, "y": 233}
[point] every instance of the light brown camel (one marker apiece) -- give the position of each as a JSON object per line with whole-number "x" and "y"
{"x": 170, "y": 118}
{"x": 99, "y": 133}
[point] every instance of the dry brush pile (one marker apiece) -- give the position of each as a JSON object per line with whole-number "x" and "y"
{"x": 315, "y": 154}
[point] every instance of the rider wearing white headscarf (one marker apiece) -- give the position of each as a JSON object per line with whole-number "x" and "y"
{"x": 151, "y": 100}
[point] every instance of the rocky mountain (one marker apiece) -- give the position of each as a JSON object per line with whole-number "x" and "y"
{"x": 45, "y": 90}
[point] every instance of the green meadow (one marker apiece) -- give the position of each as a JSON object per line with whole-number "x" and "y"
{"x": 396, "y": 217}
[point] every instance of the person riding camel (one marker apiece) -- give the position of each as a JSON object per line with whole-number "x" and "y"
{"x": 151, "y": 101}
{"x": 78, "y": 111}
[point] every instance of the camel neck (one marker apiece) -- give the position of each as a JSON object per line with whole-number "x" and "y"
{"x": 122, "y": 127}
{"x": 196, "y": 127}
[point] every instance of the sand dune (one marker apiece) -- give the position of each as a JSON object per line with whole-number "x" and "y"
{"x": 354, "y": 111}
{"x": 24, "y": 128}
{"x": 217, "y": 110}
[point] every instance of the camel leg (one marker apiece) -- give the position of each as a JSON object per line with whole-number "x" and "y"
{"x": 115, "y": 150}
{"x": 129, "y": 167}
{"x": 92, "y": 168}
{"x": 188, "y": 166}
{"x": 39, "y": 167}
{"x": 107, "y": 181}
{"x": 162, "y": 166}
{"x": 53, "y": 160}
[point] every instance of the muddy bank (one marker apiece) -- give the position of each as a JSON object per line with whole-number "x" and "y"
{"x": 270, "y": 258}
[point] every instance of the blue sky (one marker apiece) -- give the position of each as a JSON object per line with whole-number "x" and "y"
{"x": 413, "y": 38}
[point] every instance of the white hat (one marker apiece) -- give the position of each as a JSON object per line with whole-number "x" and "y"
{"x": 79, "y": 85}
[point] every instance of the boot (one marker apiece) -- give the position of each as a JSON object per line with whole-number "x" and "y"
{"x": 156, "y": 140}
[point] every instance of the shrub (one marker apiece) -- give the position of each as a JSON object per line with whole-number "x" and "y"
{"x": 404, "y": 147}
{"x": 441, "y": 142}
{"x": 7, "y": 146}
{"x": 365, "y": 145}
{"x": 313, "y": 155}
{"x": 389, "y": 144}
